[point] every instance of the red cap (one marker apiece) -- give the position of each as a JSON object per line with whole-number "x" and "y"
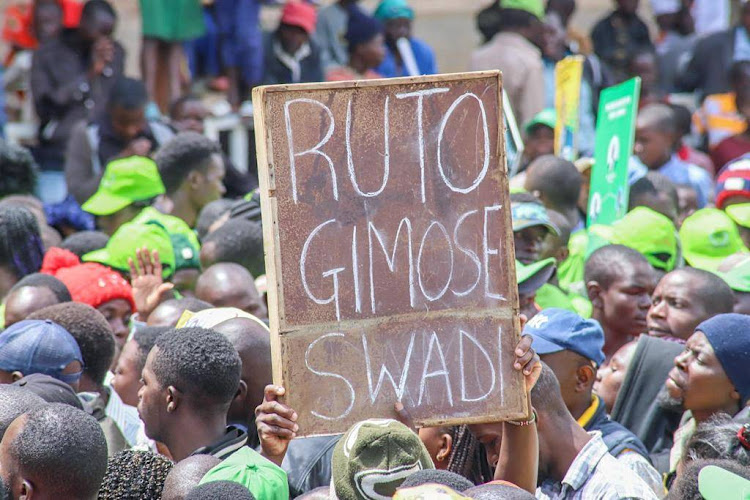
{"x": 734, "y": 180}
{"x": 300, "y": 14}
{"x": 89, "y": 283}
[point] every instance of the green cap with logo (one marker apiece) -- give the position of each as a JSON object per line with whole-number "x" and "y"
{"x": 529, "y": 214}
{"x": 184, "y": 241}
{"x": 125, "y": 182}
{"x": 534, "y": 7}
{"x": 546, "y": 117}
{"x": 715, "y": 483}
{"x": 708, "y": 237}
{"x": 374, "y": 457}
{"x": 247, "y": 467}
{"x": 647, "y": 231}
{"x": 531, "y": 277}
{"x": 130, "y": 237}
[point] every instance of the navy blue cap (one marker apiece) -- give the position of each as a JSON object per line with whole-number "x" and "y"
{"x": 39, "y": 346}
{"x": 555, "y": 330}
{"x": 729, "y": 335}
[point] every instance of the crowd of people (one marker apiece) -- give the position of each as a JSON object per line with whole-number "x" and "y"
{"x": 135, "y": 356}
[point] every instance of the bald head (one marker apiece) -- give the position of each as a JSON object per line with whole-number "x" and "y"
{"x": 26, "y": 300}
{"x": 230, "y": 285}
{"x": 186, "y": 475}
{"x": 555, "y": 181}
{"x": 168, "y": 312}
{"x": 657, "y": 117}
{"x": 253, "y": 343}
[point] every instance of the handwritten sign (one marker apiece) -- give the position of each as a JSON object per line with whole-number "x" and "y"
{"x": 389, "y": 249}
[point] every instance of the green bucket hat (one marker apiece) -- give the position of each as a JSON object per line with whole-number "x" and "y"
{"x": 649, "y": 232}
{"x": 739, "y": 213}
{"x": 374, "y": 457}
{"x": 546, "y": 117}
{"x": 124, "y": 182}
{"x": 708, "y": 237}
{"x": 715, "y": 483}
{"x": 129, "y": 237}
{"x": 534, "y": 7}
{"x": 532, "y": 277}
{"x": 248, "y": 468}
{"x": 184, "y": 241}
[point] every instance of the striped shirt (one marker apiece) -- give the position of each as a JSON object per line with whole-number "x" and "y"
{"x": 596, "y": 475}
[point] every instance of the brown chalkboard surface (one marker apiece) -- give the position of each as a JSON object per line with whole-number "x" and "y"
{"x": 389, "y": 249}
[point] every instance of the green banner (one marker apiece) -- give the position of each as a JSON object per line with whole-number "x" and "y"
{"x": 615, "y": 132}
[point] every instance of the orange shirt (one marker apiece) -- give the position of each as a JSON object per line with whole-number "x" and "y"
{"x": 718, "y": 119}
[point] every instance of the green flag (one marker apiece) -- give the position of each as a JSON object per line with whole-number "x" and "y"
{"x": 615, "y": 131}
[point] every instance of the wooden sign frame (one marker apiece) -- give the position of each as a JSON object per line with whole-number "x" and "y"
{"x": 515, "y": 405}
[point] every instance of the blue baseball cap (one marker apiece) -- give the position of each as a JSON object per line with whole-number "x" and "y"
{"x": 527, "y": 214}
{"x": 39, "y": 346}
{"x": 555, "y": 330}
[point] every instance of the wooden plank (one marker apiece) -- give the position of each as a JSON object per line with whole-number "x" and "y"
{"x": 389, "y": 249}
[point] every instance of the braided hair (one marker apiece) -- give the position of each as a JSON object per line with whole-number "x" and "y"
{"x": 467, "y": 456}
{"x": 135, "y": 475}
{"x": 21, "y": 249}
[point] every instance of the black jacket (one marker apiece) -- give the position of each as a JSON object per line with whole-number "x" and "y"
{"x": 615, "y": 436}
{"x": 708, "y": 69}
{"x": 308, "y": 463}
{"x": 636, "y": 406}
{"x": 276, "y": 72}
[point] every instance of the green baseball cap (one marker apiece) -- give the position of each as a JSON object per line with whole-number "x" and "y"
{"x": 374, "y": 457}
{"x": 715, "y": 483}
{"x": 649, "y": 232}
{"x": 124, "y": 182}
{"x": 130, "y": 237}
{"x": 248, "y": 468}
{"x": 708, "y": 237}
{"x": 735, "y": 270}
{"x": 534, "y": 7}
{"x": 739, "y": 213}
{"x": 546, "y": 117}
{"x": 532, "y": 277}
{"x": 184, "y": 240}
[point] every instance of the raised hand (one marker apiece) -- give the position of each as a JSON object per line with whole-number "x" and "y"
{"x": 147, "y": 282}
{"x": 276, "y": 423}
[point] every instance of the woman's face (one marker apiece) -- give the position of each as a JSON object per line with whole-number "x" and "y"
{"x": 118, "y": 312}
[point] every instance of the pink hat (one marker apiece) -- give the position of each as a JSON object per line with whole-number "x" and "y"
{"x": 300, "y": 14}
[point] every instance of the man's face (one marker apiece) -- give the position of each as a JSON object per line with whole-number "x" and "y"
{"x": 117, "y": 313}
{"x": 699, "y": 380}
{"x": 528, "y": 243}
{"x": 108, "y": 224}
{"x": 627, "y": 300}
{"x": 645, "y": 66}
{"x": 372, "y": 52}
{"x": 127, "y": 123}
{"x": 191, "y": 117}
{"x": 211, "y": 184}
{"x": 397, "y": 28}
{"x": 653, "y": 147}
{"x": 152, "y": 399}
{"x": 609, "y": 378}
{"x": 539, "y": 142}
{"x": 97, "y": 25}
{"x": 127, "y": 380}
{"x": 292, "y": 38}
{"x": 675, "y": 309}
{"x": 184, "y": 281}
{"x": 527, "y": 305}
